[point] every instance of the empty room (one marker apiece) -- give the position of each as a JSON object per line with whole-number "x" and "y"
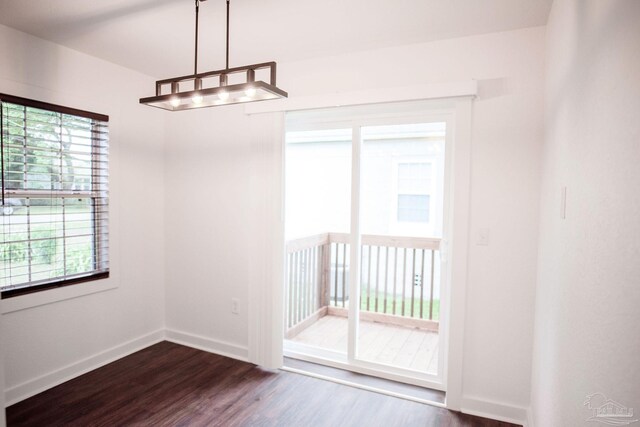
{"x": 304, "y": 213}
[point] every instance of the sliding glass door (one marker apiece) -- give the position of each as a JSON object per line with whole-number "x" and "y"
{"x": 365, "y": 215}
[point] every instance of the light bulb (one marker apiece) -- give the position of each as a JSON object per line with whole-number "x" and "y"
{"x": 197, "y": 99}
{"x": 224, "y": 95}
{"x": 174, "y": 101}
{"x": 250, "y": 92}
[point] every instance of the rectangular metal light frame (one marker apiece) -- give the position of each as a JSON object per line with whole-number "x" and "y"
{"x": 211, "y": 95}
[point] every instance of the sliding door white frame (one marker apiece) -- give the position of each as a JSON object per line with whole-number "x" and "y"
{"x": 459, "y": 216}
{"x": 266, "y": 349}
{"x": 355, "y": 240}
{"x": 356, "y": 119}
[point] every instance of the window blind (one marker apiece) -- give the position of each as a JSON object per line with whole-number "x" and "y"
{"x": 54, "y": 203}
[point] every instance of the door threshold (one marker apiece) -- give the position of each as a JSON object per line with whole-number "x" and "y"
{"x": 366, "y": 382}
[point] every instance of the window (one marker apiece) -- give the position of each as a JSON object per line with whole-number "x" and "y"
{"x": 413, "y": 208}
{"x": 414, "y": 188}
{"x": 54, "y": 201}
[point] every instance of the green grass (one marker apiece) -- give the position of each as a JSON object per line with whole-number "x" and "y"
{"x": 398, "y": 306}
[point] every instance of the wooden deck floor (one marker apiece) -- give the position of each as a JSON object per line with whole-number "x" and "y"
{"x": 404, "y": 347}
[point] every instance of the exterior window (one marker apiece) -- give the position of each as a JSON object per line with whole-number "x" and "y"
{"x": 413, "y": 208}
{"x": 54, "y": 207}
{"x": 414, "y": 188}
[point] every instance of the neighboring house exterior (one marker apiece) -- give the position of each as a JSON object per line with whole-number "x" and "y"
{"x": 402, "y": 183}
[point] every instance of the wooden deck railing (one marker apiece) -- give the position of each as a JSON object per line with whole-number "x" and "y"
{"x": 306, "y": 278}
{"x": 397, "y": 280}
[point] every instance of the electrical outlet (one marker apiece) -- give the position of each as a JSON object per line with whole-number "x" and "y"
{"x": 235, "y": 306}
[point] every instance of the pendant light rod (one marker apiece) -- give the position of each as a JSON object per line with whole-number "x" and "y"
{"x": 228, "y": 1}
{"x": 213, "y": 88}
{"x": 195, "y": 65}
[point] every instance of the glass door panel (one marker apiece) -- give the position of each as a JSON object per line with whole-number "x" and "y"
{"x": 317, "y": 225}
{"x": 401, "y": 222}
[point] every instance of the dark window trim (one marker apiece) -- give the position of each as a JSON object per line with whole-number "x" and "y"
{"x": 52, "y": 107}
{"x": 10, "y": 293}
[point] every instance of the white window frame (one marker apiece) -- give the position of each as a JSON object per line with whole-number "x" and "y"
{"x": 40, "y": 298}
{"x": 400, "y": 227}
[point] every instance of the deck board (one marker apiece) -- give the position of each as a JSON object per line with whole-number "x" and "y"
{"x": 400, "y": 346}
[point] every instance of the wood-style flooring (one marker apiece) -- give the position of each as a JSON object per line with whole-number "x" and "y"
{"x": 399, "y": 346}
{"x": 173, "y": 385}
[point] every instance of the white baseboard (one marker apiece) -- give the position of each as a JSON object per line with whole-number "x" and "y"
{"x": 222, "y": 348}
{"x": 44, "y": 382}
{"x": 529, "y": 418}
{"x": 37, "y": 385}
{"x": 494, "y": 410}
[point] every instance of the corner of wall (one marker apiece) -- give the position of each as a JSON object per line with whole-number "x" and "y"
{"x": 222, "y": 348}
{"x": 529, "y": 422}
{"x": 494, "y": 410}
{"x": 44, "y": 382}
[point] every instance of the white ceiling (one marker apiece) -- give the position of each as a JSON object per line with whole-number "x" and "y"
{"x": 156, "y": 36}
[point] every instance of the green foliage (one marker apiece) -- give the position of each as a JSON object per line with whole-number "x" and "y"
{"x": 17, "y": 251}
{"x": 80, "y": 262}
{"x": 45, "y": 150}
{"x": 44, "y": 251}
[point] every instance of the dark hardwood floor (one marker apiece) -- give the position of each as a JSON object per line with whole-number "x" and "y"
{"x": 172, "y": 385}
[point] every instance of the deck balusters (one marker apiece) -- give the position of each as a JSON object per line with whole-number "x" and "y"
{"x": 413, "y": 280}
{"x": 404, "y": 278}
{"x": 395, "y": 280}
{"x": 422, "y": 287}
{"x": 369, "y": 279}
{"x": 386, "y": 279}
{"x": 344, "y": 273}
{"x": 433, "y": 257}
{"x": 317, "y": 277}
{"x": 377, "y": 278}
{"x": 335, "y": 266}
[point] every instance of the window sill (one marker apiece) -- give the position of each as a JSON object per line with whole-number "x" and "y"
{"x": 49, "y": 296}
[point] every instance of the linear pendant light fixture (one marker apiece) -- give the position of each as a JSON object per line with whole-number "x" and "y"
{"x": 210, "y": 89}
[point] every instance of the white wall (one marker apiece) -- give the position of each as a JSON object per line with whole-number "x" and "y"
{"x": 48, "y": 343}
{"x": 212, "y": 184}
{"x": 587, "y": 338}
{"x": 208, "y": 222}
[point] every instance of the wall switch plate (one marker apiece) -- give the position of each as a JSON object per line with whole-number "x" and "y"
{"x": 235, "y": 306}
{"x": 483, "y": 237}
